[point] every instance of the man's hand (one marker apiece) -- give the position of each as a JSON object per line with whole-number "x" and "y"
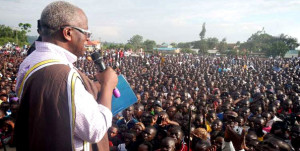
{"x": 108, "y": 78}
{"x": 166, "y": 121}
{"x": 212, "y": 148}
{"x": 238, "y": 141}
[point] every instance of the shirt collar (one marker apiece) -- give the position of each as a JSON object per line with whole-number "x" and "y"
{"x": 46, "y": 46}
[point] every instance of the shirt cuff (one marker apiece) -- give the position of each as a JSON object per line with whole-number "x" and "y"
{"x": 107, "y": 114}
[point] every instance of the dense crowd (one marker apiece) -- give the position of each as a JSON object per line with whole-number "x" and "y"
{"x": 190, "y": 102}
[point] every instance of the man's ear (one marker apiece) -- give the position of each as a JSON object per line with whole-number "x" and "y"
{"x": 67, "y": 32}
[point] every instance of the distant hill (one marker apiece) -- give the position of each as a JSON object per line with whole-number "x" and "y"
{"x": 31, "y": 39}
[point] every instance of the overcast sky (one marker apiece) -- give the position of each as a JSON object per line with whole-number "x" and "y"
{"x": 170, "y": 20}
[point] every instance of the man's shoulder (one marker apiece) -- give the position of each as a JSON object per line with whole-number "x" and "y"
{"x": 120, "y": 121}
{"x": 55, "y": 72}
{"x": 133, "y": 120}
{"x": 57, "y": 68}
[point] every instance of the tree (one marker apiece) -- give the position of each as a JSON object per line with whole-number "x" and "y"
{"x": 196, "y": 44}
{"x": 268, "y": 44}
{"x": 203, "y": 47}
{"x": 174, "y": 45}
{"x": 183, "y": 45}
{"x": 277, "y": 47}
{"x": 136, "y": 41}
{"x": 238, "y": 43}
{"x": 149, "y": 45}
{"x": 120, "y": 46}
{"x": 109, "y": 45}
{"x": 203, "y": 31}
{"x": 231, "y": 52}
{"x": 186, "y": 50}
{"x": 289, "y": 41}
{"x": 112, "y": 46}
{"x": 212, "y": 42}
{"x": 257, "y": 42}
{"x": 223, "y": 45}
{"x": 128, "y": 46}
{"x": 26, "y": 26}
{"x": 7, "y": 34}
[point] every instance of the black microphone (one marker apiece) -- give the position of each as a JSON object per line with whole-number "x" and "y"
{"x": 97, "y": 58}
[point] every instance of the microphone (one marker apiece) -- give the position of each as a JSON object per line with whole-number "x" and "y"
{"x": 97, "y": 58}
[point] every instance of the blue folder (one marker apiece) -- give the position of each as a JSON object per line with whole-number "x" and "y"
{"x": 126, "y": 99}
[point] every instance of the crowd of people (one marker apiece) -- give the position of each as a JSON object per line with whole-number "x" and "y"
{"x": 189, "y": 102}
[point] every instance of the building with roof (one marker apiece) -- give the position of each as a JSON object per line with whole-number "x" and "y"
{"x": 257, "y": 54}
{"x": 168, "y": 50}
{"x": 291, "y": 54}
{"x": 92, "y": 45}
{"x": 213, "y": 52}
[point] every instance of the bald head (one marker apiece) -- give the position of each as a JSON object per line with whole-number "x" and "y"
{"x": 58, "y": 14}
{"x": 168, "y": 144}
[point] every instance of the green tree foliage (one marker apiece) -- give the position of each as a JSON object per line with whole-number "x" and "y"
{"x": 108, "y": 45}
{"x": 203, "y": 47}
{"x": 212, "y": 42}
{"x": 26, "y": 26}
{"x": 238, "y": 43}
{"x": 174, "y": 45}
{"x": 277, "y": 48}
{"x": 149, "y": 45}
{"x": 268, "y": 44}
{"x": 184, "y": 45}
{"x": 196, "y": 44}
{"x": 136, "y": 41}
{"x": 7, "y": 34}
{"x": 258, "y": 42}
{"x": 5, "y": 40}
{"x": 232, "y": 52}
{"x": 289, "y": 41}
{"x": 187, "y": 50}
{"x": 203, "y": 31}
{"x": 113, "y": 46}
{"x": 222, "y": 46}
{"x": 128, "y": 46}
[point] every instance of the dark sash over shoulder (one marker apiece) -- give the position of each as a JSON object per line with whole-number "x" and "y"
{"x": 49, "y": 102}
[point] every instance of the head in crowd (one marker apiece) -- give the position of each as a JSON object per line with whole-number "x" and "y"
{"x": 225, "y": 91}
{"x": 149, "y": 133}
{"x": 168, "y": 144}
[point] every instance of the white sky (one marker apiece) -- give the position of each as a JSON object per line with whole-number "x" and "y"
{"x": 170, "y": 20}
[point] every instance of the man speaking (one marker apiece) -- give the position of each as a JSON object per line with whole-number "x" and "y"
{"x": 60, "y": 108}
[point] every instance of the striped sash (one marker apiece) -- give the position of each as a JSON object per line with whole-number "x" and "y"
{"x": 72, "y": 78}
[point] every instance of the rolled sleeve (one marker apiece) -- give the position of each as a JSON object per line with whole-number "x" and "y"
{"x": 92, "y": 119}
{"x": 103, "y": 109}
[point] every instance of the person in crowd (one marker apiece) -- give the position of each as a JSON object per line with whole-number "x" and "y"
{"x": 114, "y": 140}
{"x": 245, "y": 94}
{"x": 145, "y": 146}
{"x": 177, "y": 134}
{"x": 130, "y": 143}
{"x": 128, "y": 118}
{"x": 138, "y": 111}
{"x": 167, "y": 144}
{"x": 295, "y": 137}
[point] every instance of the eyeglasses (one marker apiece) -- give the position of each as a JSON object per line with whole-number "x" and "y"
{"x": 85, "y": 32}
